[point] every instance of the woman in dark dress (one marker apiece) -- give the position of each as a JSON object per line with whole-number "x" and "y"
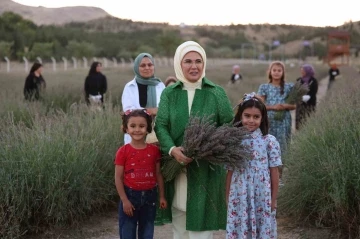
{"x": 95, "y": 83}
{"x": 34, "y": 83}
{"x": 307, "y": 106}
{"x": 333, "y": 73}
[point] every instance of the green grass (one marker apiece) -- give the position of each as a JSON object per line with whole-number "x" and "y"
{"x": 56, "y": 155}
{"x": 322, "y": 183}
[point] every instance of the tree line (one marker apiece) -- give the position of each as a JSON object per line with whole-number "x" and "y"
{"x": 21, "y": 37}
{"x": 113, "y": 37}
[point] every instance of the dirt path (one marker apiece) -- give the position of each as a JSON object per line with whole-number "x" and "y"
{"x": 106, "y": 227}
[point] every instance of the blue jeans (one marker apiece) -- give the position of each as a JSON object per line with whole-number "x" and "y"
{"x": 143, "y": 219}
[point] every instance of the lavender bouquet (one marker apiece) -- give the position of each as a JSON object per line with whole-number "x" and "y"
{"x": 294, "y": 97}
{"x": 204, "y": 141}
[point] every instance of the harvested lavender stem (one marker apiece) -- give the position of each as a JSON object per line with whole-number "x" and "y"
{"x": 294, "y": 97}
{"x": 204, "y": 141}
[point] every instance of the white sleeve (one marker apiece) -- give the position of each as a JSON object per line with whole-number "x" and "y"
{"x": 127, "y": 139}
{"x": 159, "y": 90}
{"x": 128, "y": 99}
{"x": 171, "y": 150}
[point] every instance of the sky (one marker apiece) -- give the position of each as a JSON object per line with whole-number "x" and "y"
{"x": 221, "y": 12}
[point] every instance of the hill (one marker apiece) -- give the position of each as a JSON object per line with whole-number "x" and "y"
{"x": 53, "y": 16}
{"x": 231, "y": 38}
{"x": 123, "y": 38}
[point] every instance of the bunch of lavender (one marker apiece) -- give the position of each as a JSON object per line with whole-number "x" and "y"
{"x": 204, "y": 141}
{"x": 294, "y": 97}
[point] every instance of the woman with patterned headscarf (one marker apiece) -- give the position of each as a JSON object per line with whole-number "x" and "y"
{"x": 144, "y": 91}
{"x": 196, "y": 197}
{"x": 307, "y": 106}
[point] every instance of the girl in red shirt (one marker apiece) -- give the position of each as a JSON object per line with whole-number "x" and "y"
{"x": 138, "y": 178}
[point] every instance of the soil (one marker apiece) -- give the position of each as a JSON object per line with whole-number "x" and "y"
{"x": 105, "y": 226}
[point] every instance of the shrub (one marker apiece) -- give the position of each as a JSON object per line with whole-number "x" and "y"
{"x": 323, "y": 180}
{"x": 58, "y": 171}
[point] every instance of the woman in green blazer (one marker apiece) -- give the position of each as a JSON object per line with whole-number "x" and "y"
{"x": 196, "y": 198}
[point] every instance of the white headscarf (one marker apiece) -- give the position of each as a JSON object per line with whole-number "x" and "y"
{"x": 179, "y": 55}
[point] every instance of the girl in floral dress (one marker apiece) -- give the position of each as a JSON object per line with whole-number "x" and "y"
{"x": 274, "y": 94}
{"x": 252, "y": 190}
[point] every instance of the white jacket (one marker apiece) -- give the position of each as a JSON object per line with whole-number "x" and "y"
{"x": 130, "y": 99}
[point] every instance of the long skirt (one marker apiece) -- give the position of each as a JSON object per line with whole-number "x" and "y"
{"x": 303, "y": 111}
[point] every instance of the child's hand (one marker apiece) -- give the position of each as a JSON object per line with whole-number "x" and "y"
{"x": 163, "y": 203}
{"x": 128, "y": 208}
{"x": 273, "y": 205}
{"x": 278, "y": 107}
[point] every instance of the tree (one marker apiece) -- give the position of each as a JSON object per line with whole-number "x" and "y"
{"x": 145, "y": 48}
{"x": 43, "y": 50}
{"x": 223, "y": 52}
{"x": 5, "y": 49}
{"x": 81, "y": 49}
{"x": 18, "y": 30}
{"x": 168, "y": 42}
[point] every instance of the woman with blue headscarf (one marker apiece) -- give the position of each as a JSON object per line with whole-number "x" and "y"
{"x": 144, "y": 91}
{"x": 308, "y": 104}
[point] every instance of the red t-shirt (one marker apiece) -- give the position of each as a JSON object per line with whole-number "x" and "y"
{"x": 139, "y": 166}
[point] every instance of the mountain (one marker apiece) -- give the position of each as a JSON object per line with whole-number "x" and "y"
{"x": 100, "y": 34}
{"x": 53, "y": 16}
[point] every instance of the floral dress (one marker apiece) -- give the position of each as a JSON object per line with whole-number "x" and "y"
{"x": 281, "y": 129}
{"x": 249, "y": 209}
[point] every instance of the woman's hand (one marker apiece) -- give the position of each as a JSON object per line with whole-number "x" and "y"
{"x": 128, "y": 208}
{"x": 163, "y": 203}
{"x": 178, "y": 154}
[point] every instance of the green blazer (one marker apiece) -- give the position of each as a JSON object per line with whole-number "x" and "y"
{"x": 205, "y": 206}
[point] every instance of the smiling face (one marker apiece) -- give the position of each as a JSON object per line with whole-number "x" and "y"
{"x": 146, "y": 68}
{"x": 276, "y": 72}
{"x": 137, "y": 128}
{"x": 251, "y": 118}
{"x": 192, "y": 66}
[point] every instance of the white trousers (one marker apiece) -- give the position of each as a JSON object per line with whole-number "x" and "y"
{"x": 179, "y": 227}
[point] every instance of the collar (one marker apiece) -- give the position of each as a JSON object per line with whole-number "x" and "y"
{"x": 256, "y": 133}
{"x": 133, "y": 82}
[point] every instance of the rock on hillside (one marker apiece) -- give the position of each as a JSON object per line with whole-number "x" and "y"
{"x": 58, "y": 16}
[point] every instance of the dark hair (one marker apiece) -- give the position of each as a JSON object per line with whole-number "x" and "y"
{"x": 35, "y": 66}
{"x": 135, "y": 113}
{"x": 257, "y": 103}
{"x": 282, "y": 80}
{"x": 170, "y": 79}
{"x": 93, "y": 67}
